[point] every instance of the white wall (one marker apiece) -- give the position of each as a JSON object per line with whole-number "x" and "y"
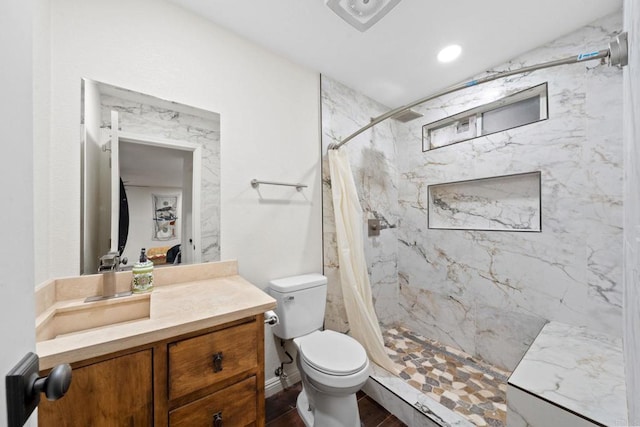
{"x": 269, "y": 111}
{"x": 16, "y": 173}
{"x": 631, "y": 305}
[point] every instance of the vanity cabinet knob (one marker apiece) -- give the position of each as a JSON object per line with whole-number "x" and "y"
{"x": 217, "y": 366}
{"x": 217, "y": 419}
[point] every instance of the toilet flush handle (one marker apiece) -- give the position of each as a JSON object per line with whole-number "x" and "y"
{"x": 289, "y": 298}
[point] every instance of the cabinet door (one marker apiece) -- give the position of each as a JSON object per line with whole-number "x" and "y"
{"x": 115, "y": 392}
{"x": 234, "y": 406}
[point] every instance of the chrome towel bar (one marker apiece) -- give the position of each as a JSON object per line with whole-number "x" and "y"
{"x": 255, "y": 183}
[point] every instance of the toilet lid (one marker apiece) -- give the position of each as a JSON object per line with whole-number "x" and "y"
{"x": 333, "y": 353}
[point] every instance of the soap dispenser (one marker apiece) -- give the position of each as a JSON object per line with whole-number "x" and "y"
{"x": 142, "y": 280}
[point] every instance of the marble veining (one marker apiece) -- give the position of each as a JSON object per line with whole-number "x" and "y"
{"x": 490, "y": 293}
{"x": 374, "y": 162}
{"x": 495, "y": 203}
{"x": 469, "y": 288}
{"x": 173, "y": 121}
{"x": 578, "y": 369}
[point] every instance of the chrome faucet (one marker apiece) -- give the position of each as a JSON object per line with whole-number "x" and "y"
{"x": 109, "y": 262}
{"x": 108, "y": 265}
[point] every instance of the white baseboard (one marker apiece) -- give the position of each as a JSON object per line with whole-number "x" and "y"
{"x": 276, "y": 384}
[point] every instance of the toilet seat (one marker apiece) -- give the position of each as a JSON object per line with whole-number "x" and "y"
{"x": 333, "y": 353}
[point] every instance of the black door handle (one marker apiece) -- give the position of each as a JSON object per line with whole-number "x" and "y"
{"x": 24, "y": 386}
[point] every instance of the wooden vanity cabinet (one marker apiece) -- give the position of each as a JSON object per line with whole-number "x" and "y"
{"x": 212, "y": 377}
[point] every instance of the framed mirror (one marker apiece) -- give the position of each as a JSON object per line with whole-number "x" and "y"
{"x": 150, "y": 178}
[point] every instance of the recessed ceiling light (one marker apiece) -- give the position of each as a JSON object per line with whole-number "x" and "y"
{"x": 449, "y": 53}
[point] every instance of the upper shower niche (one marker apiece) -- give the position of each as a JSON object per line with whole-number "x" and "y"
{"x": 521, "y": 108}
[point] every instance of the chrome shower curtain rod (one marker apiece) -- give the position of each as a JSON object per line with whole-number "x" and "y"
{"x": 617, "y": 54}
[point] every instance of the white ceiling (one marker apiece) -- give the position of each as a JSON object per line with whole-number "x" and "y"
{"x": 394, "y": 61}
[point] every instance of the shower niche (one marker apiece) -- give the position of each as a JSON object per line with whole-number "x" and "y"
{"x": 502, "y": 203}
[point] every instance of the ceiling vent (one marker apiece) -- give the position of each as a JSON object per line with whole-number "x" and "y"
{"x": 361, "y": 14}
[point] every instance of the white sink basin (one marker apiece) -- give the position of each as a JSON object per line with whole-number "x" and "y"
{"x": 71, "y": 317}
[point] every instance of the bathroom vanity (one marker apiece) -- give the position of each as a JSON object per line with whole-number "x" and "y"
{"x": 189, "y": 353}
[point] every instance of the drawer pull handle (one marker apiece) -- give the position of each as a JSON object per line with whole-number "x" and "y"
{"x": 217, "y": 363}
{"x": 217, "y": 419}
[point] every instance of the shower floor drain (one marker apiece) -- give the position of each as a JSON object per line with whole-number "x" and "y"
{"x": 465, "y": 385}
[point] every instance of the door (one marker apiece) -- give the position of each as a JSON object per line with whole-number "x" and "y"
{"x": 17, "y": 277}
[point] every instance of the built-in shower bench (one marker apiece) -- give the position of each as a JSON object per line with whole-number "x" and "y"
{"x": 569, "y": 377}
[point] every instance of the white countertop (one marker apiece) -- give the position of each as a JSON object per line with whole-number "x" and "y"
{"x": 185, "y": 299}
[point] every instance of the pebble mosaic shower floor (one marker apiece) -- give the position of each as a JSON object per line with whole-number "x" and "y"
{"x": 466, "y": 385}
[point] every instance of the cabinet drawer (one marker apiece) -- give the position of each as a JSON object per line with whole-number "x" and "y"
{"x": 234, "y": 405}
{"x": 199, "y": 362}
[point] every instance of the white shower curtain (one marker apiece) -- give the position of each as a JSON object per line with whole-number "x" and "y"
{"x": 356, "y": 288}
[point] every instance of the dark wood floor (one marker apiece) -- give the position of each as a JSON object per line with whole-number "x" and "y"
{"x": 281, "y": 411}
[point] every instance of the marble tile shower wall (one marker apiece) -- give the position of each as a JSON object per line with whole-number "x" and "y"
{"x": 373, "y": 160}
{"x": 489, "y": 293}
{"x": 163, "y": 122}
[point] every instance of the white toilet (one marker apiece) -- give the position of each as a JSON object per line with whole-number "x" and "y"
{"x": 333, "y": 366}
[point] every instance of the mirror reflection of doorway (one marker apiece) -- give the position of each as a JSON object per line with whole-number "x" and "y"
{"x": 158, "y": 181}
{"x": 161, "y": 179}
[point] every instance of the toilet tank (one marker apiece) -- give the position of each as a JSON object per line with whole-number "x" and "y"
{"x": 301, "y": 302}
